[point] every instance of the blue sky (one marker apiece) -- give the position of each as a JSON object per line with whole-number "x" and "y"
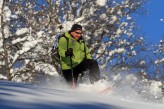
{"x": 150, "y": 24}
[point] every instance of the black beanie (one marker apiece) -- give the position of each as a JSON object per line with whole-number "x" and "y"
{"x": 76, "y": 27}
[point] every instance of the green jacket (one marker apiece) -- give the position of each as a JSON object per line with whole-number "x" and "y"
{"x": 78, "y": 51}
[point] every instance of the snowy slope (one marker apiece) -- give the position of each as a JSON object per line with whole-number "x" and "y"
{"x": 28, "y": 96}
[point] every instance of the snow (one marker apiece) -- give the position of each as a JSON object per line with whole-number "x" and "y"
{"x": 113, "y": 19}
{"x": 119, "y": 50}
{"x": 159, "y": 61}
{"x": 3, "y": 77}
{"x": 125, "y": 92}
{"x": 26, "y": 46}
{"x": 1, "y": 2}
{"x": 21, "y": 31}
{"x": 154, "y": 87}
{"x": 1, "y": 43}
{"x": 40, "y": 33}
{"x": 14, "y": 16}
{"x": 162, "y": 60}
{"x": 18, "y": 40}
{"x": 2, "y": 63}
{"x": 56, "y": 95}
{"x": 7, "y": 13}
{"x": 6, "y": 31}
{"x": 103, "y": 16}
{"x": 142, "y": 62}
{"x": 101, "y": 2}
{"x": 79, "y": 19}
{"x": 67, "y": 25}
{"x": 162, "y": 20}
{"x": 134, "y": 53}
{"x": 48, "y": 69}
{"x": 128, "y": 17}
{"x": 119, "y": 32}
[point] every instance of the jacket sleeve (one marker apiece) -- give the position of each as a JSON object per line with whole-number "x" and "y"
{"x": 88, "y": 55}
{"x": 62, "y": 46}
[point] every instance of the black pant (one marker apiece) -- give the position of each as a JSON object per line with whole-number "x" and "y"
{"x": 88, "y": 64}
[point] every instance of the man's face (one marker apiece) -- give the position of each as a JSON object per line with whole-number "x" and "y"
{"x": 76, "y": 34}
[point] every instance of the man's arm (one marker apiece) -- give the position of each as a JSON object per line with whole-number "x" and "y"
{"x": 88, "y": 55}
{"x": 62, "y": 46}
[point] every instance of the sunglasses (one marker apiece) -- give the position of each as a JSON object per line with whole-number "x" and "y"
{"x": 78, "y": 33}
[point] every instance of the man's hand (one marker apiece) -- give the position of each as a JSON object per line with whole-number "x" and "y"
{"x": 69, "y": 52}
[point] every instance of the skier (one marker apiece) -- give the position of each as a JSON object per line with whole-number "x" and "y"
{"x": 75, "y": 57}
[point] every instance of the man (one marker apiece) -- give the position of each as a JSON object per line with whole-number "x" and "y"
{"x": 75, "y": 57}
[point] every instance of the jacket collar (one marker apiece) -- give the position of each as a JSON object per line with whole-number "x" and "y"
{"x": 67, "y": 34}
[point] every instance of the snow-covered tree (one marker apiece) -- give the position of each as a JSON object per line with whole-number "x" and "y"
{"x": 108, "y": 25}
{"x": 17, "y": 41}
{"x": 1, "y": 40}
{"x": 159, "y": 61}
{"x": 27, "y": 46}
{"x": 108, "y": 29}
{"x": 4, "y": 32}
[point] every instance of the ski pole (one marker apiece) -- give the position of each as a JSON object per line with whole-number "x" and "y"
{"x": 73, "y": 80}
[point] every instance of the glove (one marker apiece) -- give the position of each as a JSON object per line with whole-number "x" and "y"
{"x": 69, "y": 52}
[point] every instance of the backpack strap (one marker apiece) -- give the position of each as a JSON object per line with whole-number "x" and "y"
{"x": 65, "y": 38}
